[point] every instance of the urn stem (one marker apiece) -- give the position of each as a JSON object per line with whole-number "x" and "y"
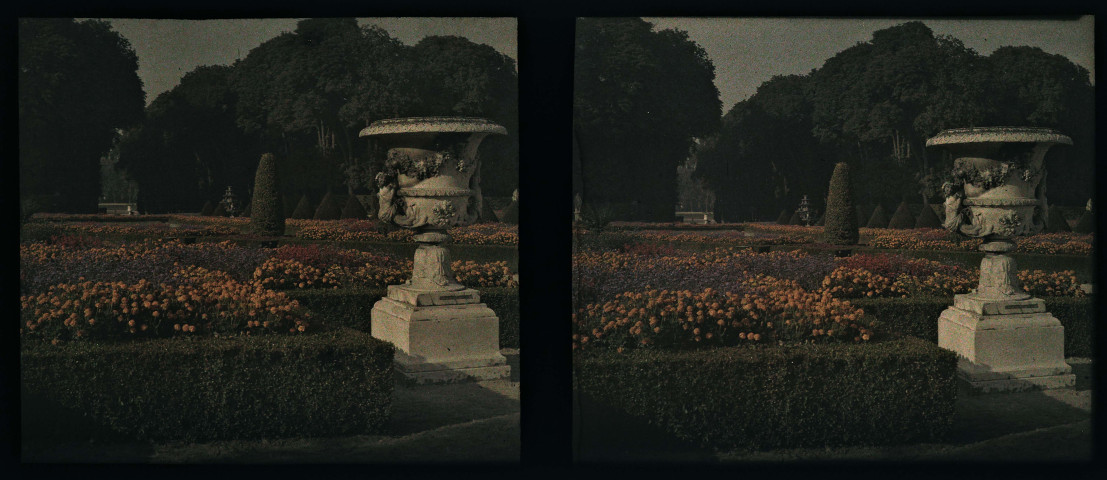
{"x": 999, "y": 278}
{"x": 432, "y": 270}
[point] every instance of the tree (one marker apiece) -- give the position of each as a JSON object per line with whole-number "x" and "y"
{"x": 208, "y": 209}
{"x": 266, "y": 211}
{"x": 1030, "y": 87}
{"x": 78, "y": 85}
{"x": 640, "y": 99}
{"x": 454, "y": 76}
{"x": 765, "y": 157}
{"x": 885, "y": 97}
{"x": 902, "y": 218}
{"x": 783, "y": 218}
{"x": 841, "y": 216}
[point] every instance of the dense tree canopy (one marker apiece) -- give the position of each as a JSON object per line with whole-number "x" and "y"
{"x": 641, "y": 97}
{"x": 78, "y": 84}
{"x": 874, "y": 105}
{"x": 304, "y": 96}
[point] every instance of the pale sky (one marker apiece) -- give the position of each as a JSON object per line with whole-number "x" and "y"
{"x": 168, "y": 49}
{"x": 749, "y": 51}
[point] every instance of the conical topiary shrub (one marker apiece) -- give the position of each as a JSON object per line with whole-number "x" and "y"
{"x": 902, "y": 219}
{"x": 841, "y": 216}
{"x": 1086, "y": 224}
{"x": 1057, "y": 222}
{"x": 289, "y": 202}
{"x": 486, "y": 213}
{"x": 510, "y": 214}
{"x": 266, "y": 208}
{"x": 219, "y": 211}
{"x": 878, "y": 219}
{"x": 821, "y": 221}
{"x": 795, "y": 219}
{"x": 927, "y": 218}
{"x": 372, "y": 205}
{"x": 303, "y": 209}
{"x": 208, "y": 208}
{"x": 328, "y": 209}
{"x": 863, "y": 214}
{"x": 246, "y": 211}
{"x": 783, "y": 218}
{"x": 354, "y": 209}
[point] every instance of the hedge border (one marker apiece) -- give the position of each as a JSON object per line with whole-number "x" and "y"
{"x": 332, "y": 383}
{"x": 893, "y": 392}
{"x": 352, "y": 308}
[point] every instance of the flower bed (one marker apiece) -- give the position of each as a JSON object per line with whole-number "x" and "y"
{"x": 600, "y": 274}
{"x": 166, "y": 288}
{"x": 763, "y": 310}
{"x": 618, "y": 225}
{"x": 373, "y": 231}
{"x": 890, "y": 392}
{"x": 206, "y": 388}
{"x": 203, "y": 302}
{"x": 176, "y": 225}
{"x": 771, "y": 234}
{"x": 97, "y": 217}
{"x": 941, "y": 240}
{"x": 151, "y": 230}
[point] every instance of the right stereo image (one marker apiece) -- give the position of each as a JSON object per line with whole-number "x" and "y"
{"x": 833, "y": 239}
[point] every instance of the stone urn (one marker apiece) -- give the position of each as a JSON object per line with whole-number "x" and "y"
{"x": 996, "y": 192}
{"x": 430, "y": 182}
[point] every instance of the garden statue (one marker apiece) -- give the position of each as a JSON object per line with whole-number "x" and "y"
{"x": 804, "y": 212}
{"x": 431, "y": 182}
{"x": 230, "y": 202}
{"x": 996, "y": 192}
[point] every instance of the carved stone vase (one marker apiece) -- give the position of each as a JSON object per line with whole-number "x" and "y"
{"x": 1005, "y": 338}
{"x": 431, "y": 182}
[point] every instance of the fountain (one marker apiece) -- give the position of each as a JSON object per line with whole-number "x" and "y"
{"x": 1004, "y": 337}
{"x": 431, "y": 182}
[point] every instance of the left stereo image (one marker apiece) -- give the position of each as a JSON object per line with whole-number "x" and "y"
{"x": 274, "y": 240}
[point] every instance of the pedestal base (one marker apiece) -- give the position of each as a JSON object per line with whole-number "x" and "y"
{"x": 440, "y": 341}
{"x": 1004, "y": 352}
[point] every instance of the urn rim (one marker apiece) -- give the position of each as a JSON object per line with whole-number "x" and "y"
{"x": 443, "y": 124}
{"x": 968, "y": 135}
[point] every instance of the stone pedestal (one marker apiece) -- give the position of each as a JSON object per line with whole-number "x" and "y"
{"x": 440, "y": 336}
{"x": 1005, "y": 345}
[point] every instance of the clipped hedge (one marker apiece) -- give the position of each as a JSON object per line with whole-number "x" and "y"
{"x": 325, "y": 384}
{"x": 919, "y": 317}
{"x": 353, "y": 307}
{"x": 893, "y": 392}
